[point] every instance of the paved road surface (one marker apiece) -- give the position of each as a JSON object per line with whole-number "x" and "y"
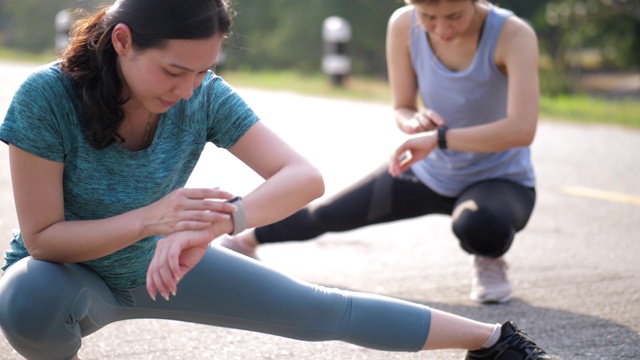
{"x": 575, "y": 268}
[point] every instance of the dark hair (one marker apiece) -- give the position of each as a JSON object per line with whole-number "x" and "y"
{"x": 90, "y": 59}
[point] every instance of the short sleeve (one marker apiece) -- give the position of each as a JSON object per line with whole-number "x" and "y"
{"x": 229, "y": 116}
{"x": 36, "y": 118}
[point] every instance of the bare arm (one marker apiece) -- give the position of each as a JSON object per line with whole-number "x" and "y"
{"x": 291, "y": 180}
{"x": 517, "y": 54}
{"x": 290, "y": 183}
{"x": 37, "y": 187}
{"x": 402, "y": 78}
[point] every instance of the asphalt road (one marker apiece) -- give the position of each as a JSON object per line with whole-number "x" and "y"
{"x": 575, "y": 268}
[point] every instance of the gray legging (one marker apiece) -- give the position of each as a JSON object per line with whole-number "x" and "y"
{"x": 46, "y": 308}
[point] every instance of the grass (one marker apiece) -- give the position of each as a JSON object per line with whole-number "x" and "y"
{"x": 579, "y": 108}
{"x": 317, "y": 84}
{"x": 586, "y": 109}
{"x": 14, "y": 55}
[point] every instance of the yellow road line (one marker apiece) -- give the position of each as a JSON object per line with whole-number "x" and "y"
{"x": 601, "y": 194}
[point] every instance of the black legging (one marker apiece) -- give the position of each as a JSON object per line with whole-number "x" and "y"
{"x": 486, "y": 215}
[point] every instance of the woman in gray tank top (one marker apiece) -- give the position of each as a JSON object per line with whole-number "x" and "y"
{"x": 473, "y": 66}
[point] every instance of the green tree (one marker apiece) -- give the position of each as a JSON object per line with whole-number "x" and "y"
{"x": 612, "y": 27}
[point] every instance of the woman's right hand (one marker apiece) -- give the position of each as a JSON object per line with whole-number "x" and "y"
{"x": 187, "y": 209}
{"x": 422, "y": 121}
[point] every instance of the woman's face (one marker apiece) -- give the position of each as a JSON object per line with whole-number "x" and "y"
{"x": 158, "y": 78}
{"x": 446, "y": 19}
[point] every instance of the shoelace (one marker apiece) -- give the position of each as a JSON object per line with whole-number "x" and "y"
{"x": 521, "y": 340}
{"x": 491, "y": 269}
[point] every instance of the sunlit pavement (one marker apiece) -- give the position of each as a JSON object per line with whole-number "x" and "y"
{"x": 575, "y": 268}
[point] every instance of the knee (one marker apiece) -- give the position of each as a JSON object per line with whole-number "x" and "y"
{"x": 21, "y": 304}
{"x": 483, "y": 233}
{"x": 32, "y": 308}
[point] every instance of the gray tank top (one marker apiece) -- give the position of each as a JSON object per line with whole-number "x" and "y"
{"x": 477, "y": 95}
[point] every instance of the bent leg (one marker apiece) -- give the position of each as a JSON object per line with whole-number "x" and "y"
{"x": 46, "y": 308}
{"x": 488, "y": 214}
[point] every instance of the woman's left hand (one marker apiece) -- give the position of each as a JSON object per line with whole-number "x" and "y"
{"x": 411, "y": 151}
{"x": 175, "y": 255}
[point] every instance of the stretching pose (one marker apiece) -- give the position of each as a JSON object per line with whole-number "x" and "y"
{"x": 474, "y": 66}
{"x": 101, "y": 144}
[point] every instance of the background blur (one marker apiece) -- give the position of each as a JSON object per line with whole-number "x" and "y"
{"x": 580, "y": 40}
{"x": 584, "y": 235}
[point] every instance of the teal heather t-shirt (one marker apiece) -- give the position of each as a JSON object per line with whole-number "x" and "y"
{"x": 43, "y": 120}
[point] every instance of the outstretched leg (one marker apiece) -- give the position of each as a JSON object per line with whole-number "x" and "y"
{"x": 377, "y": 198}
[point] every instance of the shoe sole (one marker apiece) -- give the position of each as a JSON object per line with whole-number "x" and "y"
{"x": 500, "y": 300}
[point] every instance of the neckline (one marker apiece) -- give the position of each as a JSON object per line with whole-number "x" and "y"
{"x": 152, "y": 141}
{"x": 479, "y": 43}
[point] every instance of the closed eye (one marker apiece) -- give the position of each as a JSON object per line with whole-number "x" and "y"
{"x": 171, "y": 73}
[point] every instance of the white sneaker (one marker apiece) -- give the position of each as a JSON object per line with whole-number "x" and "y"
{"x": 489, "y": 283}
{"x": 239, "y": 246}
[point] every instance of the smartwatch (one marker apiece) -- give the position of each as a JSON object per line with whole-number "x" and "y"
{"x": 238, "y": 216}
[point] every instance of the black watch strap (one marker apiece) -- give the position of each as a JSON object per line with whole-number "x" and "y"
{"x": 442, "y": 137}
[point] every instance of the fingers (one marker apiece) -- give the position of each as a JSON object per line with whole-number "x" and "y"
{"x": 207, "y": 205}
{"x": 429, "y": 119}
{"x": 188, "y": 209}
{"x": 399, "y": 160}
{"x": 152, "y": 288}
{"x": 158, "y": 284}
{"x": 411, "y": 151}
{"x": 199, "y": 225}
{"x": 198, "y": 220}
{"x": 163, "y": 274}
{"x": 399, "y": 165}
{"x": 201, "y": 199}
{"x": 175, "y": 255}
{"x": 205, "y": 193}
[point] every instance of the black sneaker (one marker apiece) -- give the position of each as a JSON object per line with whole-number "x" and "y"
{"x": 513, "y": 344}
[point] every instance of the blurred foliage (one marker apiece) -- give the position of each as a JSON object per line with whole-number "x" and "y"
{"x": 285, "y": 34}
{"x": 29, "y": 25}
{"x": 575, "y": 35}
{"x": 554, "y": 83}
{"x": 592, "y": 33}
{"x": 576, "y": 108}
